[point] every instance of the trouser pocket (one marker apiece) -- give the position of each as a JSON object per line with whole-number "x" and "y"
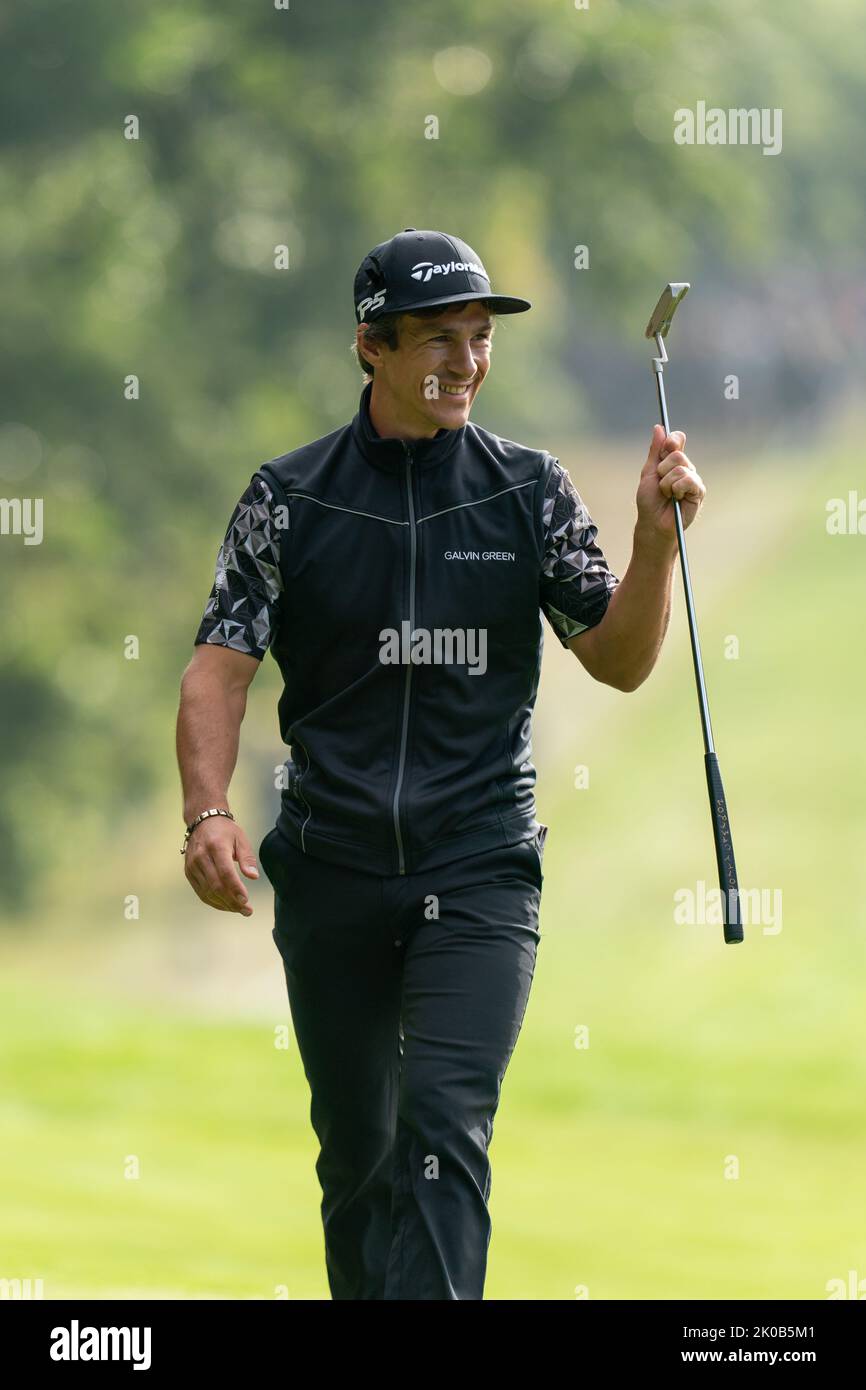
{"x": 539, "y": 849}
{"x": 527, "y": 856}
{"x": 278, "y": 858}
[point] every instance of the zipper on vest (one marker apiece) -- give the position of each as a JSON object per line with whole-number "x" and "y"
{"x": 407, "y": 684}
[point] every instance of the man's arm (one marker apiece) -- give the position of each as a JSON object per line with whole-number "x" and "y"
{"x": 623, "y": 647}
{"x": 236, "y": 630}
{"x": 213, "y": 701}
{"x": 576, "y": 584}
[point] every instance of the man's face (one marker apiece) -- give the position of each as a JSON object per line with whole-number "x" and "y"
{"x": 436, "y": 370}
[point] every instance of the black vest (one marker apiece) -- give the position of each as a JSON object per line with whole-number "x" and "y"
{"x": 429, "y": 550}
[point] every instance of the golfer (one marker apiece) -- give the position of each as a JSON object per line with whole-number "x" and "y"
{"x": 397, "y": 570}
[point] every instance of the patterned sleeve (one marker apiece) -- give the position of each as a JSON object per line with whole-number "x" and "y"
{"x": 243, "y": 608}
{"x": 576, "y": 583}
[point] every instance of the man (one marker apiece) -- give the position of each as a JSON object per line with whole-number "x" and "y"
{"x": 397, "y": 569}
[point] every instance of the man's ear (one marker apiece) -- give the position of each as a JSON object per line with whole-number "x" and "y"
{"x": 371, "y": 350}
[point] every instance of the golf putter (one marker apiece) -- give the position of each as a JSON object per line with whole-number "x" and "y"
{"x": 658, "y": 328}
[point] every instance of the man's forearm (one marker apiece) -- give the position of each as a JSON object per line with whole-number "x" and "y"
{"x": 629, "y": 638}
{"x": 208, "y": 732}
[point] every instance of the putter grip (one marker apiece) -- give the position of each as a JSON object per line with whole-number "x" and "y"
{"x": 724, "y": 852}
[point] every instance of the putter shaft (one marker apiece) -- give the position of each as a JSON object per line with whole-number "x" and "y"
{"x": 709, "y": 746}
{"x": 732, "y": 921}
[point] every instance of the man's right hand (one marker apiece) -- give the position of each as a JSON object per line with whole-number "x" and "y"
{"x": 214, "y": 852}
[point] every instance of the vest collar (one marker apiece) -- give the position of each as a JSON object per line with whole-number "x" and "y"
{"x": 391, "y": 454}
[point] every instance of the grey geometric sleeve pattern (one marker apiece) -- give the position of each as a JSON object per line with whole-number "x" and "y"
{"x": 243, "y": 608}
{"x": 576, "y": 582}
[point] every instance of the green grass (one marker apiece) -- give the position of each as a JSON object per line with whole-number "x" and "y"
{"x": 608, "y": 1161}
{"x": 225, "y": 1204}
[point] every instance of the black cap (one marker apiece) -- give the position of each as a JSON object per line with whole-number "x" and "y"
{"x": 415, "y": 270}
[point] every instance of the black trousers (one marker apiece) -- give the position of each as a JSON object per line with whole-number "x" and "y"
{"x": 407, "y": 995}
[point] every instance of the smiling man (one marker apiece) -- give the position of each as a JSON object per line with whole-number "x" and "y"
{"x": 377, "y": 564}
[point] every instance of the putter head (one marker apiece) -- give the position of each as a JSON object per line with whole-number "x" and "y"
{"x": 664, "y": 311}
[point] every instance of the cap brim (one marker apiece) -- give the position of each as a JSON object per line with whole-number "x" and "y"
{"x": 502, "y": 303}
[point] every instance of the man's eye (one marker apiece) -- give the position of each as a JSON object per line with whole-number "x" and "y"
{"x": 444, "y": 338}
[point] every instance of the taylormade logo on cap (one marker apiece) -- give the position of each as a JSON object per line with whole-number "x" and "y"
{"x": 425, "y": 270}
{"x": 415, "y": 270}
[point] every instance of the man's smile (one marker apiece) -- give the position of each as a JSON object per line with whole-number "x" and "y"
{"x": 459, "y": 390}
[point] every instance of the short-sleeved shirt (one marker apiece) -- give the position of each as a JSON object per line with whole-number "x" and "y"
{"x": 243, "y": 609}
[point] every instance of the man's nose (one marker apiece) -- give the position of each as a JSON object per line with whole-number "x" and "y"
{"x": 462, "y": 363}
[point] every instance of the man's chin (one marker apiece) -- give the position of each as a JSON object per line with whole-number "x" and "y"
{"x": 451, "y": 413}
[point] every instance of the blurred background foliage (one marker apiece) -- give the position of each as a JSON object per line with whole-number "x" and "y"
{"x": 154, "y": 257}
{"x": 306, "y": 128}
